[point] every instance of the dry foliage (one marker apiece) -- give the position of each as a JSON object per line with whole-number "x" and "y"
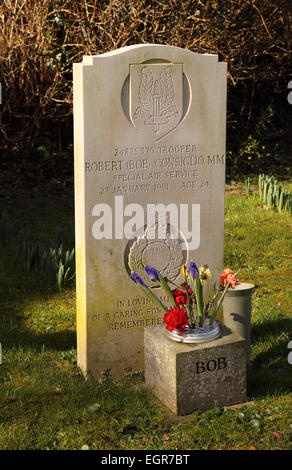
{"x": 40, "y": 39}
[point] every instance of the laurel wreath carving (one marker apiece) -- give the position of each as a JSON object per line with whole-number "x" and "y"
{"x": 135, "y": 256}
{"x": 146, "y": 87}
{"x": 167, "y": 87}
{"x": 171, "y": 271}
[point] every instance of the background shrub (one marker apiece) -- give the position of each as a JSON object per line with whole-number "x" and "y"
{"x": 40, "y": 40}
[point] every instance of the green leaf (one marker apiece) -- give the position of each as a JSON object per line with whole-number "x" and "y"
{"x": 153, "y": 298}
{"x": 166, "y": 288}
{"x": 221, "y": 300}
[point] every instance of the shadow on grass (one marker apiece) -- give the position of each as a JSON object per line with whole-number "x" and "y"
{"x": 266, "y": 382}
{"x": 276, "y": 333}
{"x": 21, "y": 291}
{"x": 14, "y": 331}
{"x": 270, "y": 372}
{"x": 25, "y": 338}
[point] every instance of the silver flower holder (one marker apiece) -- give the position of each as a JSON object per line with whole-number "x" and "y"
{"x": 196, "y": 335}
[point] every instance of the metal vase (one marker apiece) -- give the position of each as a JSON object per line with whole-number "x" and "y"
{"x": 196, "y": 335}
{"x": 237, "y": 312}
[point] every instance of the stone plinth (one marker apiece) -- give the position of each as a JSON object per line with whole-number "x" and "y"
{"x": 187, "y": 377}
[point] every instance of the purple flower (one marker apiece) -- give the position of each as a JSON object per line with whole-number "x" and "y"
{"x": 152, "y": 273}
{"x": 193, "y": 269}
{"x": 137, "y": 279}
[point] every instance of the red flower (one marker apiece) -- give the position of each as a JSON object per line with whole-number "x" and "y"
{"x": 226, "y": 276}
{"x": 176, "y": 318}
{"x": 180, "y": 296}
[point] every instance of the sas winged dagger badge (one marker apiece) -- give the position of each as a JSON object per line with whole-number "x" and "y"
{"x": 156, "y": 97}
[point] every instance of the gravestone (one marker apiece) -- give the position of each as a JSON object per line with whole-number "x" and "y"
{"x": 149, "y": 138}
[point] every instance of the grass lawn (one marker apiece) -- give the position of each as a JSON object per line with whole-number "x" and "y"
{"x": 45, "y": 402}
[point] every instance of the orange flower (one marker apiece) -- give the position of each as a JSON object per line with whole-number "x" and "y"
{"x": 226, "y": 277}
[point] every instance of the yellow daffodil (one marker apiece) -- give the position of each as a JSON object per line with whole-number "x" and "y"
{"x": 205, "y": 274}
{"x": 184, "y": 272}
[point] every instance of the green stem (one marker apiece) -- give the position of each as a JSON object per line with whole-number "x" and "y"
{"x": 189, "y": 305}
{"x": 176, "y": 285}
{"x": 210, "y": 304}
{"x": 212, "y": 318}
{"x": 166, "y": 289}
{"x": 199, "y": 298}
{"x": 154, "y": 298}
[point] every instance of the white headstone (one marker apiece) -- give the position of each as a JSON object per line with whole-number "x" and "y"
{"x": 149, "y": 125}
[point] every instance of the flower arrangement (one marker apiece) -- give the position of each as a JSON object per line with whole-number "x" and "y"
{"x": 188, "y": 307}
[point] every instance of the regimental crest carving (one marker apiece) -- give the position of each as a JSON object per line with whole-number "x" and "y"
{"x": 165, "y": 255}
{"x": 156, "y": 99}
